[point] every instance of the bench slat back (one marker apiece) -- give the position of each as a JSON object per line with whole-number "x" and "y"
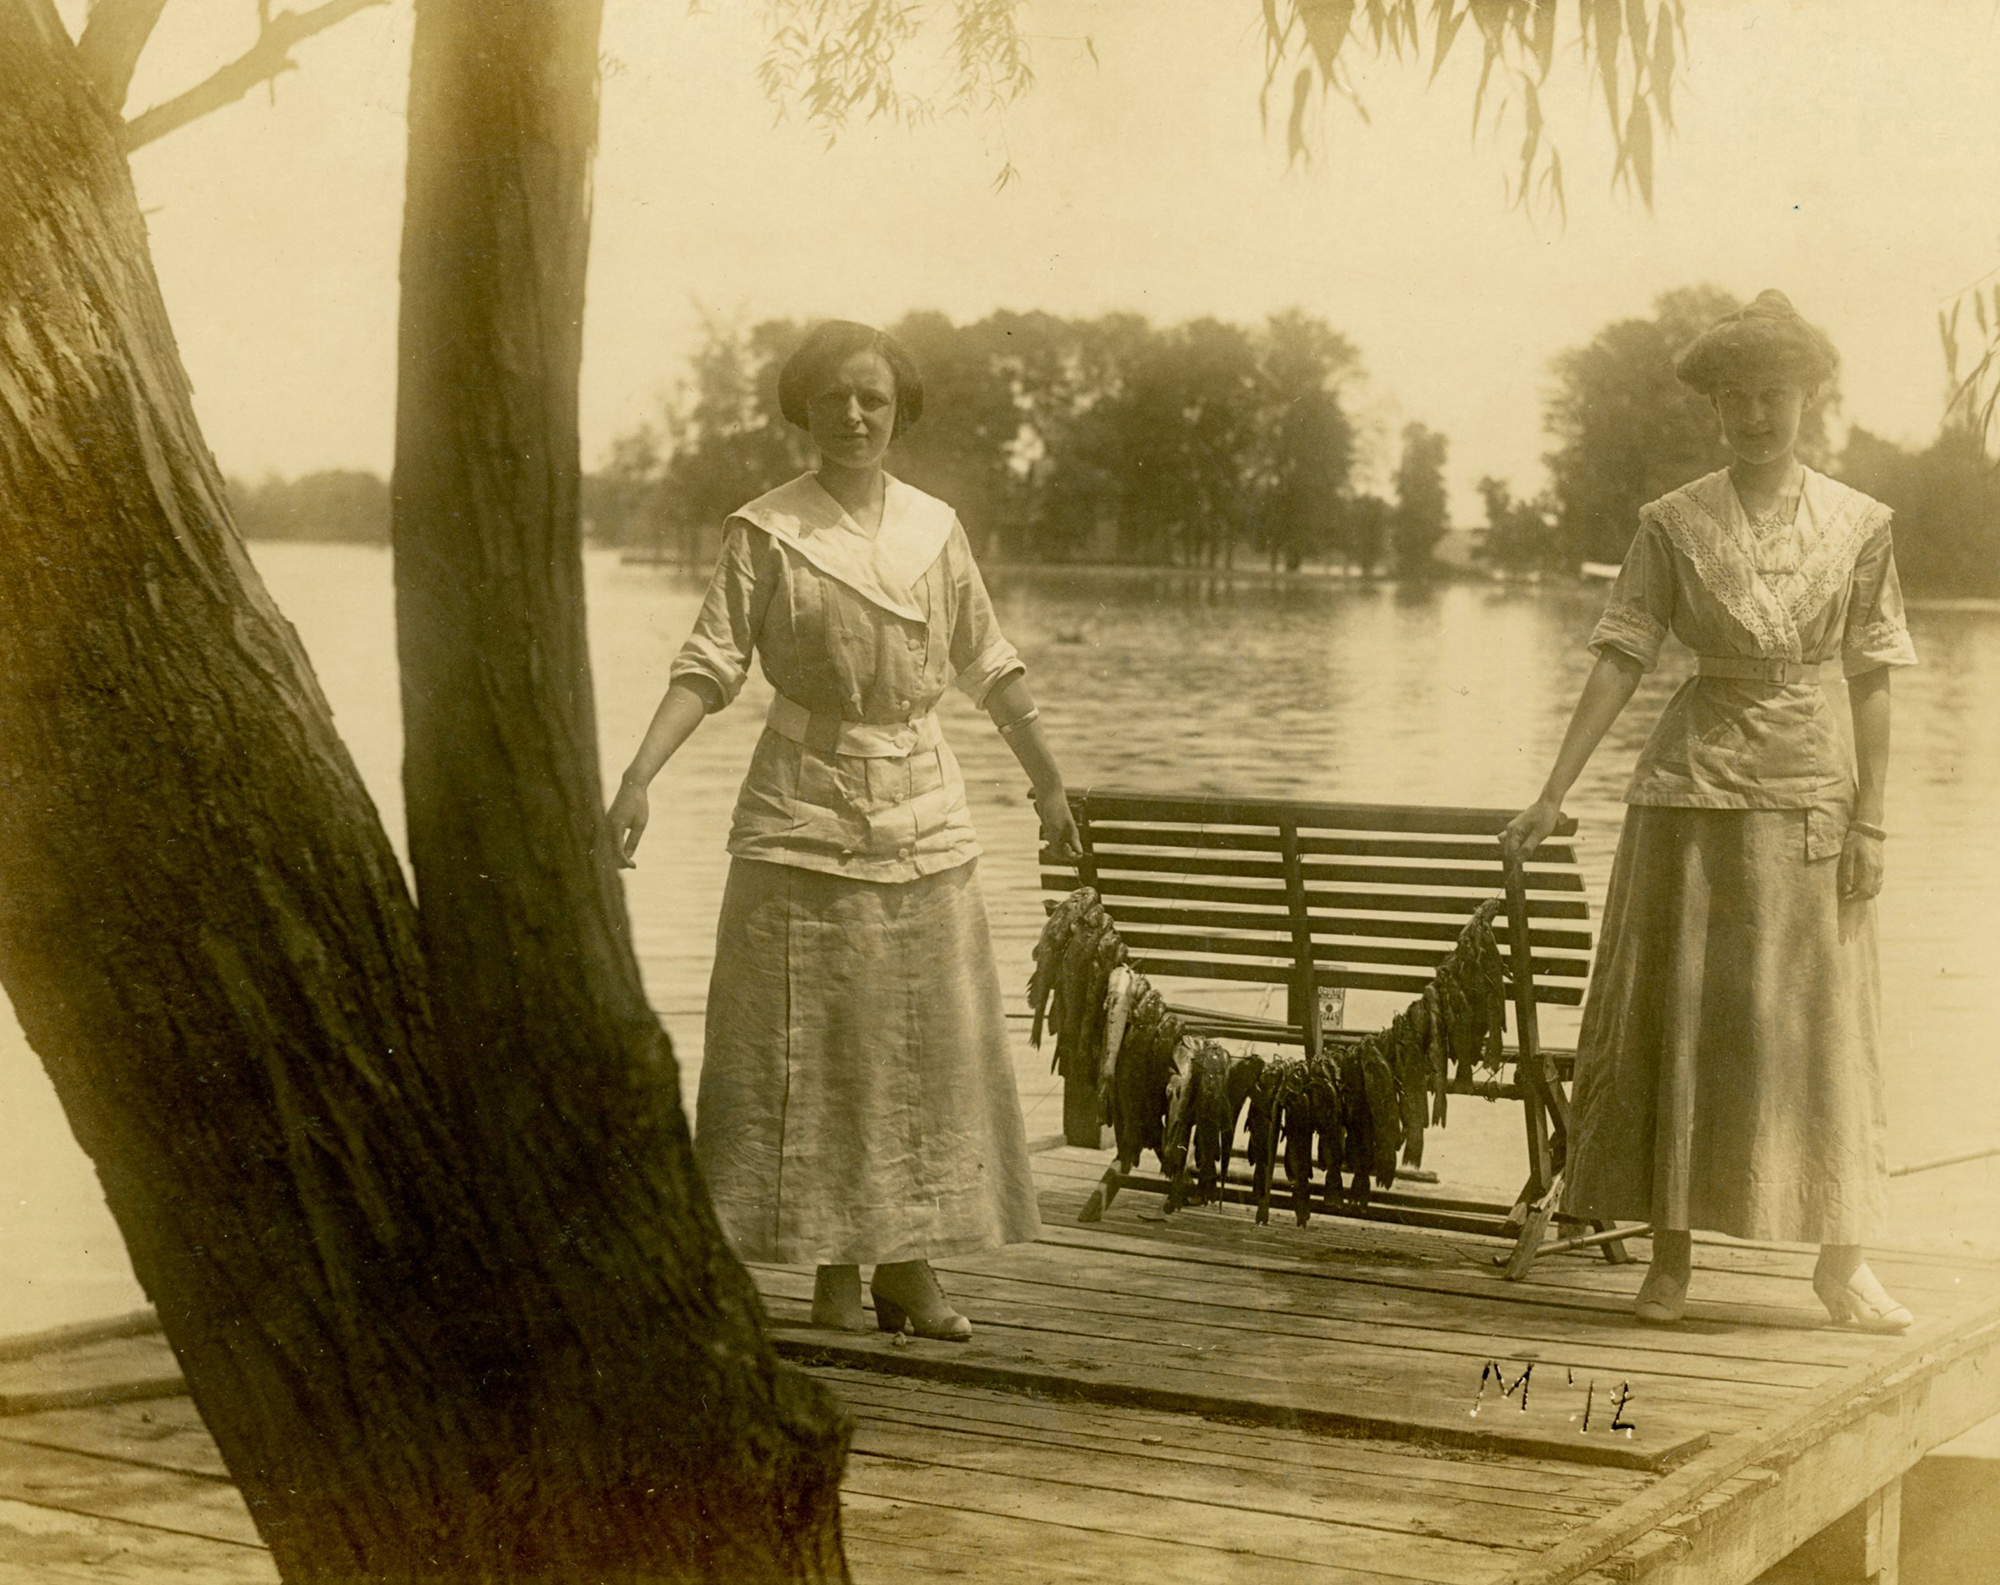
{"x": 1202, "y": 888}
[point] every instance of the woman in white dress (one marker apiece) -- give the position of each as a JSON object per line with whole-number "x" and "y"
{"x": 1728, "y": 1075}
{"x": 857, "y": 1101}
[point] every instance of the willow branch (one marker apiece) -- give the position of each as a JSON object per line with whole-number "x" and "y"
{"x": 265, "y": 59}
{"x": 112, "y": 42}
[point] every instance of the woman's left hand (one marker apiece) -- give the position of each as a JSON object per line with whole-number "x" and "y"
{"x": 1059, "y": 833}
{"x": 1860, "y": 867}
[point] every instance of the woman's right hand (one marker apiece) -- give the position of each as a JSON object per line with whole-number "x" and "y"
{"x": 625, "y": 822}
{"x": 1527, "y": 830}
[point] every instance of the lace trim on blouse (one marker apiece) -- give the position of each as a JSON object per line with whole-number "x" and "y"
{"x": 1726, "y": 573}
{"x": 1829, "y": 561}
{"x": 1883, "y": 643}
{"x": 1768, "y": 605}
{"x": 1632, "y": 629}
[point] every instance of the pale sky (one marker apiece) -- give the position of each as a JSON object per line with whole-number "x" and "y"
{"x": 1843, "y": 150}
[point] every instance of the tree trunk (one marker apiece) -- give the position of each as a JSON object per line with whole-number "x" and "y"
{"x": 523, "y": 921}
{"x": 413, "y": 1369}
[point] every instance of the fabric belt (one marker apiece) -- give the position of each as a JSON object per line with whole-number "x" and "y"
{"x": 1748, "y": 668}
{"x": 832, "y": 734}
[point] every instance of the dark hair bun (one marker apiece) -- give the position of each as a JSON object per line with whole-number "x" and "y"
{"x": 807, "y": 371}
{"x": 1767, "y": 337}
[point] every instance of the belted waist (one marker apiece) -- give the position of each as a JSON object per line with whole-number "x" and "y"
{"x": 832, "y": 734}
{"x": 1751, "y": 668}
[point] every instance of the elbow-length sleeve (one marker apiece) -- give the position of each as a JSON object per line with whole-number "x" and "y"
{"x": 716, "y": 656}
{"x": 1640, "y": 612}
{"x": 1877, "y": 633}
{"x": 981, "y": 657}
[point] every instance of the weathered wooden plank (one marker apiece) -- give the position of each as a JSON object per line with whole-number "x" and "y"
{"x": 111, "y": 1488}
{"x": 1001, "y": 1548}
{"x": 1111, "y": 833}
{"x": 1229, "y": 809}
{"x": 1265, "y": 945}
{"x": 1114, "y": 1371}
{"x": 22, "y": 1345}
{"x": 1321, "y": 1495}
{"x": 165, "y": 1433}
{"x": 1349, "y": 1552}
{"x": 1330, "y": 1470}
{"x": 130, "y": 1365}
{"x": 1167, "y": 967}
{"x": 1279, "y": 1445}
{"x": 44, "y": 1546}
{"x": 1324, "y": 1499}
{"x": 1843, "y": 1441}
{"x": 1707, "y": 1318}
{"x": 1423, "y": 874}
{"x": 1419, "y": 1393}
{"x": 1319, "y": 899}
{"x": 1031, "y": 1278}
{"x": 1330, "y": 925}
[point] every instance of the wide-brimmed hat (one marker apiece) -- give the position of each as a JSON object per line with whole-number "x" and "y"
{"x": 1767, "y": 337}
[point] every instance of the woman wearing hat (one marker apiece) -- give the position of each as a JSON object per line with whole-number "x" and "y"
{"x": 857, "y": 1100}
{"x": 1727, "y": 1071}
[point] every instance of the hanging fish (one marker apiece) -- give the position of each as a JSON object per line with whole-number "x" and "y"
{"x": 1490, "y": 975}
{"x": 1244, "y": 1072}
{"x": 1437, "y": 1062}
{"x": 1357, "y": 1145}
{"x": 1121, "y": 991}
{"x": 1138, "y": 1098}
{"x": 1173, "y": 1147}
{"x": 1072, "y": 974}
{"x": 1210, "y": 1104}
{"x": 1262, "y": 1147}
{"x": 1295, "y": 1105}
{"x": 1384, "y": 1116}
{"x": 1411, "y": 1067}
{"x": 1329, "y": 1123}
{"x": 1049, "y": 955}
{"x": 1464, "y": 1024}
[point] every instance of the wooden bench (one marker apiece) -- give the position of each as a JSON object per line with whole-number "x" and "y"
{"x": 1305, "y": 895}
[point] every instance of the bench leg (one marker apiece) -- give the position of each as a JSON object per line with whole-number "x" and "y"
{"x": 1882, "y": 1534}
{"x": 1102, "y": 1196}
{"x": 1083, "y": 1118}
{"x": 1614, "y": 1249}
{"x": 1537, "y": 1215}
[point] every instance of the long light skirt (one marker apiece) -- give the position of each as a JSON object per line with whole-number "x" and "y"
{"x": 857, "y": 1098}
{"x": 1727, "y": 1073}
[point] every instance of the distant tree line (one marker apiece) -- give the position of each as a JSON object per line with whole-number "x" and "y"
{"x": 1112, "y": 439}
{"x": 1107, "y": 439}
{"x": 344, "y": 504}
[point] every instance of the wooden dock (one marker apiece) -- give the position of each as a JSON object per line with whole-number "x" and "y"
{"x": 1198, "y": 1398}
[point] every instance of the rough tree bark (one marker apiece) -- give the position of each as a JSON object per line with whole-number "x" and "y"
{"x": 417, "y": 1363}
{"x": 523, "y": 922}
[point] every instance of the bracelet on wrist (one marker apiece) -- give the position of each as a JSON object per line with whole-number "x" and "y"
{"x": 1018, "y": 722}
{"x": 1868, "y": 829}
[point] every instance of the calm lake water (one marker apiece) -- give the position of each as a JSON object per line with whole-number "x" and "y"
{"x": 1456, "y": 694}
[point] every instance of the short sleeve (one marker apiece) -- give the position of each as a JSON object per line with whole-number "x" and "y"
{"x": 981, "y": 657}
{"x": 1640, "y": 613}
{"x": 1877, "y": 633}
{"x": 717, "y": 653}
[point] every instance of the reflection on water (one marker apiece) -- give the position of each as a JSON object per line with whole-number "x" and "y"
{"x": 1456, "y": 694}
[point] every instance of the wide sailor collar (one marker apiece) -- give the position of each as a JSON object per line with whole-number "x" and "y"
{"x": 1705, "y": 522}
{"x": 884, "y": 568}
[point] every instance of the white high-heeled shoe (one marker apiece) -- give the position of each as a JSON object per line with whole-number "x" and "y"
{"x": 1860, "y": 1303}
